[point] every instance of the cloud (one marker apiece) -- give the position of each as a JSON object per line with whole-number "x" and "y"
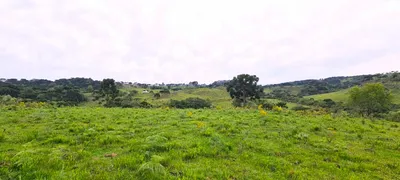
{"x": 186, "y": 40}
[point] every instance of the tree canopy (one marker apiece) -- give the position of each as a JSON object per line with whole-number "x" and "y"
{"x": 372, "y": 98}
{"x": 244, "y": 88}
{"x": 109, "y": 88}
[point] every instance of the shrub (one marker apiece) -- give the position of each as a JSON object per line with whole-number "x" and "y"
{"x": 268, "y": 105}
{"x": 393, "y": 116}
{"x": 177, "y": 89}
{"x": 300, "y": 108}
{"x": 327, "y": 103}
{"x": 282, "y": 104}
{"x": 157, "y": 96}
{"x": 370, "y": 99}
{"x": 165, "y": 91}
{"x": 277, "y": 109}
{"x": 133, "y": 93}
{"x": 262, "y": 104}
{"x": 195, "y": 103}
{"x": 145, "y": 104}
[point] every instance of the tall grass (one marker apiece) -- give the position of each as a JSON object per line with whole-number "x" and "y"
{"x": 100, "y": 143}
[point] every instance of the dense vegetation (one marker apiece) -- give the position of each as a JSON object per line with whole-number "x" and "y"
{"x": 61, "y": 92}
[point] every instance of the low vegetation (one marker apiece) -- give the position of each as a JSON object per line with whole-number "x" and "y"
{"x": 115, "y": 143}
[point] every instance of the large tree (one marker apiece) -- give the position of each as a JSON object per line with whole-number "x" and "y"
{"x": 244, "y": 88}
{"x": 372, "y": 98}
{"x": 109, "y": 89}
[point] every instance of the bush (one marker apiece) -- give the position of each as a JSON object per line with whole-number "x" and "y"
{"x": 165, "y": 91}
{"x": 327, "y": 103}
{"x": 370, "y": 99}
{"x": 157, "y": 96}
{"x": 195, "y": 103}
{"x": 176, "y": 89}
{"x": 133, "y": 93}
{"x": 300, "y": 108}
{"x": 277, "y": 109}
{"x": 268, "y": 105}
{"x": 145, "y": 104}
{"x": 282, "y": 104}
{"x": 393, "y": 116}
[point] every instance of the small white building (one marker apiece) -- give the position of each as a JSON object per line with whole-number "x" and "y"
{"x": 145, "y": 92}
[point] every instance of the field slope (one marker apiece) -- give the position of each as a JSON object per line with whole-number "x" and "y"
{"x": 342, "y": 96}
{"x": 100, "y": 143}
{"x": 338, "y": 96}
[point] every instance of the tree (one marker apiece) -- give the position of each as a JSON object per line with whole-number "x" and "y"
{"x": 90, "y": 89}
{"x": 109, "y": 89}
{"x": 372, "y": 98}
{"x": 9, "y": 89}
{"x": 72, "y": 96}
{"x": 194, "y": 83}
{"x": 28, "y": 93}
{"x": 244, "y": 88}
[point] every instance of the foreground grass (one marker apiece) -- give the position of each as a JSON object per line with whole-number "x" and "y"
{"x": 99, "y": 143}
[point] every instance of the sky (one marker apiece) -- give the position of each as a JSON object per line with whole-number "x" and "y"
{"x": 171, "y": 41}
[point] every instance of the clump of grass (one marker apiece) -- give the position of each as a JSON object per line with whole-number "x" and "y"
{"x": 2, "y": 137}
{"x": 156, "y": 143}
{"x": 302, "y": 136}
{"x": 316, "y": 128}
{"x": 152, "y": 169}
{"x": 207, "y": 132}
{"x": 32, "y": 135}
{"x": 109, "y": 140}
{"x": 60, "y": 139}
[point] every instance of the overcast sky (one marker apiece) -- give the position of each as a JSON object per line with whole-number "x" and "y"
{"x": 204, "y": 40}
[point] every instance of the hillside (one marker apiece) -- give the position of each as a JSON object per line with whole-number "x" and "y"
{"x": 333, "y": 84}
{"x": 339, "y": 96}
{"x": 334, "y": 88}
{"x": 83, "y": 91}
{"x": 218, "y": 96}
{"x": 342, "y": 95}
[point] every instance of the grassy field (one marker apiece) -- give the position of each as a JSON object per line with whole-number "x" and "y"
{"x": 342, "y": 96}
{"x": 339, "y": 96}
{"x": 218, "y": 96}
{"x": 100, "y": 143}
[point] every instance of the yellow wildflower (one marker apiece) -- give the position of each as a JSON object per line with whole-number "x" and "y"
{"x": 200, "y": 124}
{"x": 263, "y": 113}
{"x": 189, "y": 114}
{"x": 21, "y": 104}
{"x": 277, "y": 109}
